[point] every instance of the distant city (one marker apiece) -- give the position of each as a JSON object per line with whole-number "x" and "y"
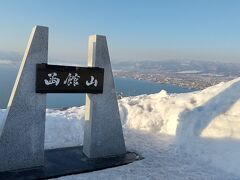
{"x": 184, "y": 73}
{"x": 188, "y": 73}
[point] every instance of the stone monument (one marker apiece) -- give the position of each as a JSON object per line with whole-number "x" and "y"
{"x": 103, "y": 134}
{"x": 22, "y": 154}
{"x": 22, "y": 132}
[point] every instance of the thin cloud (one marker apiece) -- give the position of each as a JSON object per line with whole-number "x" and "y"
{"x": 9, "y": 58}
{"x": 6, "y": 62}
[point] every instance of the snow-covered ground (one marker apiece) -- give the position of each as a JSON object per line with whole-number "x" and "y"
{"x": 181, "y": 136}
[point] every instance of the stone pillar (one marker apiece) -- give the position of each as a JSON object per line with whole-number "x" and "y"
{"x": 103, "y": 134}
{"x": 22, "y": 132}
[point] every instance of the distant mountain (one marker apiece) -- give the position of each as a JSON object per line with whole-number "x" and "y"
{"x": 204, "y": 67}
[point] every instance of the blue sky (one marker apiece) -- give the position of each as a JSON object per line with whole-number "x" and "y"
{"x": 135, "y": 29}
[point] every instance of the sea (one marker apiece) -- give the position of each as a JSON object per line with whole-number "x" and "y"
{"x": 123, "y": 86}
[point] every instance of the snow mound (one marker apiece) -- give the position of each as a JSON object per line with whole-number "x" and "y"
{"x": 192, "y": 135}
{"x": 213, "y": 112}
{"x": 205, "y": 123}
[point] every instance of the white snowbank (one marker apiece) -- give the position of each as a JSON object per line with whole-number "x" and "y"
{"x": 217, "y": 105}
{"x": 182, "y": 136}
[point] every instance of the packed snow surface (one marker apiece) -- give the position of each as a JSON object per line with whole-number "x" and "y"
{"x": 181, "y": 136}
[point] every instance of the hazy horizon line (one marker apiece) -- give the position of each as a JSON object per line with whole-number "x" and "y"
{"x": 14, "y": 57}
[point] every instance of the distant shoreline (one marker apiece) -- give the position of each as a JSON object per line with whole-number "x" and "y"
{"x": 184, "y": 80}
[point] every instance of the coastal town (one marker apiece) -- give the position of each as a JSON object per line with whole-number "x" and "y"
{"x": 191, "y": 81}
{"x": 192, "y": 75}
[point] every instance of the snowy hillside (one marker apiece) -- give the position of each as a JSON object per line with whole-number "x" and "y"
{"x": 181, "y": 136}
